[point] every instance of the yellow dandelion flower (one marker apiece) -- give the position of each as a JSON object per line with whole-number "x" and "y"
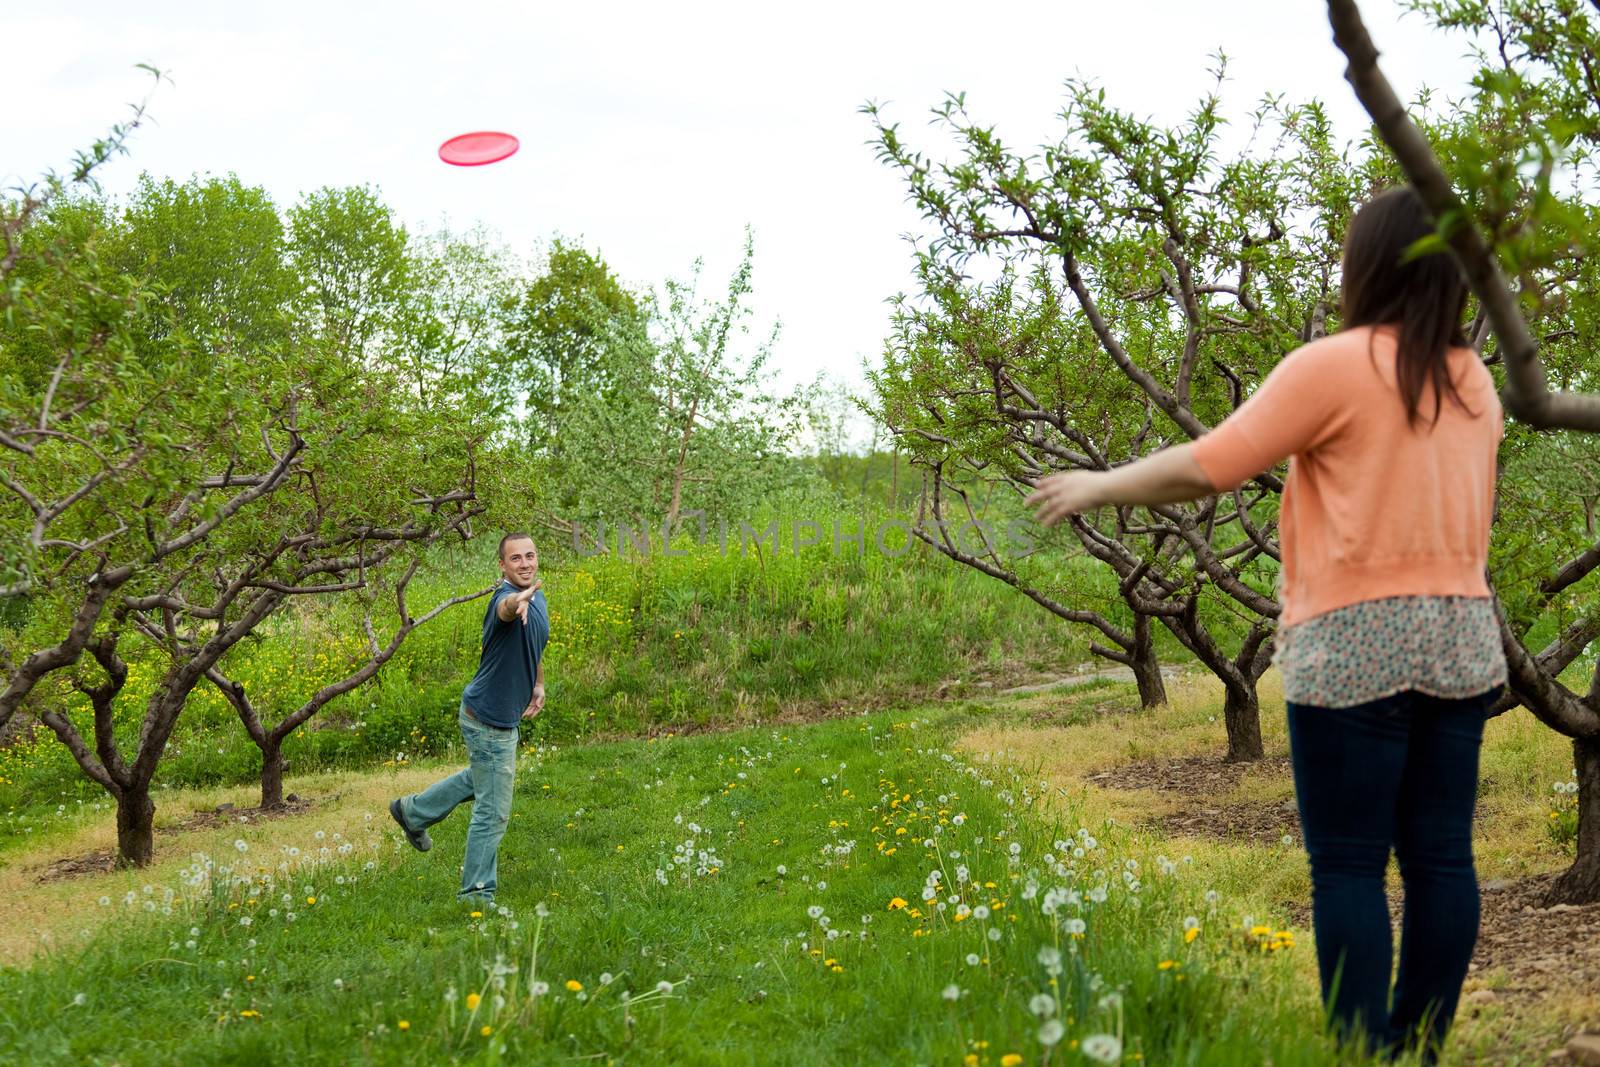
{"x": 476, "y": 915}
{"x": 574, "y": 986}
{"x": 1190, "y": 934}
{"x": 1010, "y": 1059}
{"x": 897, "y": 903}
{"x": 486, "y": 1031}
{"x": 404, "y": 1024}
{"x": 472, "y": 1001}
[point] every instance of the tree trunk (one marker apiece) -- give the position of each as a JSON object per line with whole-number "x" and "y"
{"x": 136, "y": 815}
{"x": 1241, "y": 713}
{"x": 1580, "y": 883}
{"x": 272, "y": 768}
{"x": 1146, "y": 667}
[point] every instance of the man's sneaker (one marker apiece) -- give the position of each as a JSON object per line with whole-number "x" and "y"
{"x": 419, "y": 838}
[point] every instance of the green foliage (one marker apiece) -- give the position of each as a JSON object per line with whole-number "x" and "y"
{"x": 637, "y": 646}
{"x": 560, "y": 328}
{"x": 692, "y": 413}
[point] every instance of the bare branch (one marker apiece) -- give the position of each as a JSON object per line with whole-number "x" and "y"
{"x": 1527, "y": 394}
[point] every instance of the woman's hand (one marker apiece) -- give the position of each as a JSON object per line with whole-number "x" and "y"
{"x": 1068, "y": 493}
{"x": 1170, "y": 476}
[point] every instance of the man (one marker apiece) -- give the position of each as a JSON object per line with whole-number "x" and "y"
{"x": 509, "y": 683}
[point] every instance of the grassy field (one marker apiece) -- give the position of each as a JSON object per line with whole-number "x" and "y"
{"x": 754, "y": 896}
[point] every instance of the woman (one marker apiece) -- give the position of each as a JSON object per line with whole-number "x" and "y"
{"x": 1388, "y": 645}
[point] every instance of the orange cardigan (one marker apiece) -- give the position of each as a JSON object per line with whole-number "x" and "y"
{"x": 1371, "y": 508}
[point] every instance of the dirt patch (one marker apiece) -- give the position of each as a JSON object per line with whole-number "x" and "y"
{"x": 100, "y": 861}
{"x": 1537, "y": 949}
{"x": 228, "y": 815}
{"x": 1193, "y": 776}
{"x": 1261, "y": 824}
{"x": 104, "y": 860}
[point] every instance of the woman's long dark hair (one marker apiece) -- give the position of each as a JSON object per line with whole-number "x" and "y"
{"x": 1422, "y": 297}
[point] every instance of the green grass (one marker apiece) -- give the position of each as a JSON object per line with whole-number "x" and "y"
{"x": 789, "y": 820}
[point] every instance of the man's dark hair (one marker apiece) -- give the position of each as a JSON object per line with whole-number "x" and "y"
{"x": 515, "y": 535}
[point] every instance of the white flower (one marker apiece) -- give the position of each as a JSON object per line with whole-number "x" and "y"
{"x": 1190, "y": 922}
{"x": 80, "y": 1000}
{"x": 664, "y": 988}
{"x": 928, "y": 892}
{"x": 1049, "y": 956}
{"x": 1051, "y": 1033}
{"x": 815, "y": 911}
{"x": 1101, "y": 1048}
{"x": 981, "y": 912}
{"x": 994, "y": 933}
{"x": 973, "y": 959}
{"x": 241, "y": 846}
{"x": 539, "y": 989}
{"x": 782, "y": 870}
{"x": 951, "y": 992}
{"x": 1043, "y": 1005}
{"x": 1015, "y": 848}
{"x": 1074, "y": 926}
{"x": 606, "y": 978}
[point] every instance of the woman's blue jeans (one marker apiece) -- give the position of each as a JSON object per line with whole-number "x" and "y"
{"x": 487, "y": 782}
{"x": 1400, "y": 773}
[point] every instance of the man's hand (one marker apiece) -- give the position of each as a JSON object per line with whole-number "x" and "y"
{"x": 516, "y": 605}
{"x": 536, "y": 705}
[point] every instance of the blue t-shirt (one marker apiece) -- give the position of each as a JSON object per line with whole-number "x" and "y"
{"x": 499, "y": 693}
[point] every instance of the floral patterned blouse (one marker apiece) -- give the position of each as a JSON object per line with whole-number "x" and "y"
{"x": 1445, "y": 646}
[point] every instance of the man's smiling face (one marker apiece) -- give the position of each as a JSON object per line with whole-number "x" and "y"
{"x": 519, "y": 561}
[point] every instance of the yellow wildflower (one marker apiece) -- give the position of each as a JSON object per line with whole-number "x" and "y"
{"x": 472, "y": 1001}
{"x": 574, "y": 986}
{"x": 404, "y": 1024}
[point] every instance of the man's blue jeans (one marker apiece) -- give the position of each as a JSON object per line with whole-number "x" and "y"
{"x": 487, "y": 783}
{"x": 1400, "y": 773}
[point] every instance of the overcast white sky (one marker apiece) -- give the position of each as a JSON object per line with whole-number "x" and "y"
{"x": 653, "y": 131}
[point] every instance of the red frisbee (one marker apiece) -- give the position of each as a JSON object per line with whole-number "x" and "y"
{"x": 476, "y": 149}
